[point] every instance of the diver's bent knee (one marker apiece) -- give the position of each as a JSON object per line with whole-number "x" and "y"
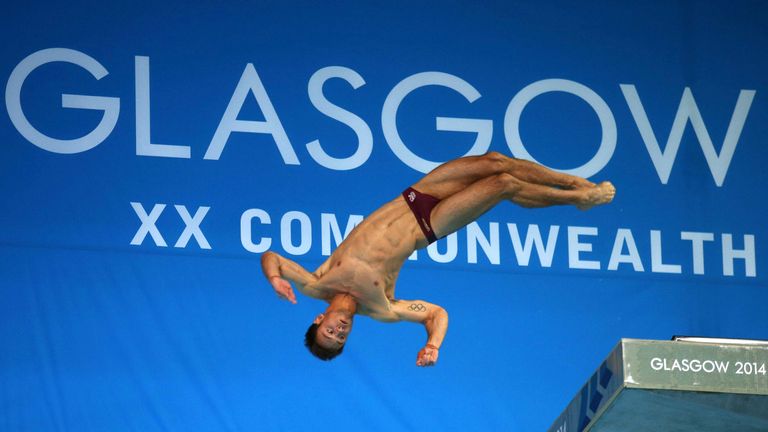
{"x": 494, "y": 156}
{"x": 495, "y": 162}
{"x": 507, "y": 183}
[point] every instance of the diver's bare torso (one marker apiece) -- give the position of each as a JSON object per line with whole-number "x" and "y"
{"x": 367, "y": 263}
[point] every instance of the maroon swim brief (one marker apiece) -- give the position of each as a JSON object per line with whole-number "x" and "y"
{"x": 421, "y": 205}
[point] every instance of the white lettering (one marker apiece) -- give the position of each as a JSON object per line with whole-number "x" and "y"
{"x": 305, "y": 233}
{"x": 688, "y": 110}
{"x": 246, "y": 238}
{"x": 689, "y": 365}
{"x": 604, "y": 114}
{"x": 533, "y": 238}
{"x": 483, "y": 128}
{"x": 192, "y": 227}
{"x": 580, "y": 246}
{"x": 144, "y": 146}
{"x": 575, "y": 248}
{"x": 624, "y": 237}
{"x": 250, "y": 82}
{"x": 697, "y": 244}
{"x": 656, "y": 364}
{"x": 490, "y": 246}
{"x": 747, "y": 254}
{"x": 148, "y": 224}
{"x": 657, "y": 266}
{"x": 358, "y": 125}
{"x": 109, "y": 105}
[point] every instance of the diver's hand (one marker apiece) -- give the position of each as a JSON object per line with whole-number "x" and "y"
{"x": 427, "y": 356}
{"x": 283, "y": 288}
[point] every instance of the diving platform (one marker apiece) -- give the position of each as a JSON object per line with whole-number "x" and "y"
{"x": 682, "y": 385}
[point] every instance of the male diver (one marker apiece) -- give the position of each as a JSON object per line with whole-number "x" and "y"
{"x": 359, "y": 277}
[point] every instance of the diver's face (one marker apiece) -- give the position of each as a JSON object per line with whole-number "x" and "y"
{"x": 333, "y": 329}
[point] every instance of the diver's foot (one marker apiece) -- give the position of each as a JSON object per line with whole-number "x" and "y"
{"x": 602, "y": 193}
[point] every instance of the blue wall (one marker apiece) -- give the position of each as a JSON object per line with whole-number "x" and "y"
{"x": 131, "y": 295}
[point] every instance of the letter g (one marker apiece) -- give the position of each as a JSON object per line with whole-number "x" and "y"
{"x": 109, "y": 105}
{"x": 656, "y": 364}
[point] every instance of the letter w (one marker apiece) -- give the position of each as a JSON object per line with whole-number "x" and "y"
{"x": 533, "y": 237}
{"x": 663, "y": 160}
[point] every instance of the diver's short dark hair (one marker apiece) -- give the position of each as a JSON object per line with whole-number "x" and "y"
{"x": 315, "y": 348}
